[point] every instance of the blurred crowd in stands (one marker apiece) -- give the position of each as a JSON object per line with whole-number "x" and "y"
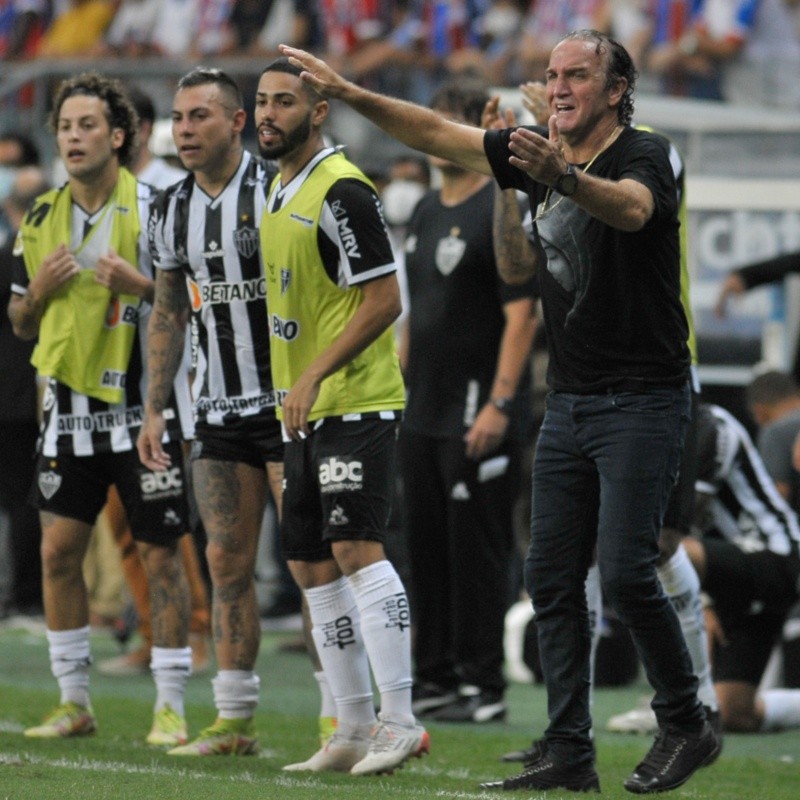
{"x": 744, "y": 51}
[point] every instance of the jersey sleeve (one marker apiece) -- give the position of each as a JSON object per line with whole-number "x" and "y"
{"x": 19, "y": 275}
{"x": 161, "y": 231}
{"x": 353, "y": 238}
{"x": 147, "y": 195}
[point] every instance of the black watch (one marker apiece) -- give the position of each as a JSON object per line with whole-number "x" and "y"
{"x": 502, "y": 404}
{"x": 567, "y": 183}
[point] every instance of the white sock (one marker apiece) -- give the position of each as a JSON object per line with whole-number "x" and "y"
{"x": 386, "y": 628}
{"x": 327, "y": 704}
{"x": 594, "y": 605}
{"x": 171, "y": 668}
{"x": 781, "y": 709}
{"x": 70, "y": 660}
{"x": 682, "y": 586}
{"x": 340, "y": 647}
{"x": 236, "y": 693}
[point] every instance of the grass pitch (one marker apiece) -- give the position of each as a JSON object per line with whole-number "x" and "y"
{"x": 116, "y": 764}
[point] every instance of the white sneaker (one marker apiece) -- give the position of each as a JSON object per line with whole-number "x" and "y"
{"x": 641, "y": 719}
{"x": 347, "y": 746}
{"x": 391, "y": 745}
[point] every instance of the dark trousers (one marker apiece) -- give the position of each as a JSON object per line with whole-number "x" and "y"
{"x": 460, "y": 539}
{"x": 17, "y": 462}
{"x": 602, "y": 474}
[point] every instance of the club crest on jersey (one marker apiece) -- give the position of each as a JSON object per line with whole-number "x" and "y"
{"x": 286, "y": 279}
{"x": 449, "y": 252}
{"x": 246, "y": 240}
{"x": 49, "y": 483}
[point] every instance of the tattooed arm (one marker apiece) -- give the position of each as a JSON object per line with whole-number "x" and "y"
{"x": 515, "y": 256}
{"x": 166, "y": 337}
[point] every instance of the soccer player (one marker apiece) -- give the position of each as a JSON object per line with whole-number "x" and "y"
{"x": 748, "y": 560}
{"x": 84, "y": 286}
{"x": 205, "y": 245}
{"x": 332, "y": 298}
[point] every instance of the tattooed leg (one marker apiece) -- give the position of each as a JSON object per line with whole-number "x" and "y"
{"x": 169, "y": 594}
{"x": 230, "y": 498}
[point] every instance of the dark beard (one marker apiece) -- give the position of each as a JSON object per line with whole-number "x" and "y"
{"x": 293, "y": 140}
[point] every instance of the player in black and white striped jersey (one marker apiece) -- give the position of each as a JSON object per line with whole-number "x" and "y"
{"x": 748, "y": 560}
{"x": 205, "y": 244}
{"x": 83, "y": 284}
{"x": 213, "y": 242}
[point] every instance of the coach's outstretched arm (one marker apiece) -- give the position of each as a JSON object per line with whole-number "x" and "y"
{"x": 414, "y": 125}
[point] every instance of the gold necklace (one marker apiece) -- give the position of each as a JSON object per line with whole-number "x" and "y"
{"x": 544, "y": 208}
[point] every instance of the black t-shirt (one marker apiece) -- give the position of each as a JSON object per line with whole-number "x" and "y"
{"x": 18, "y": 383}
{"x": 456, "y": 318}
{"x": 611, "y": 299}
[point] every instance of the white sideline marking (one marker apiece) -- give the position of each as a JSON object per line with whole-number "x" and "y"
{"x": 90, "y": 765}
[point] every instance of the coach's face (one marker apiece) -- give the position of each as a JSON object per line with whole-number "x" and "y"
{"x": 205, "y": 126}
{"x": 576, "y": 90}
{"x": 287, "y": 114}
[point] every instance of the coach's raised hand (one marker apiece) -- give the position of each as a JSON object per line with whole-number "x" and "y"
{"x": 323, "y": 78}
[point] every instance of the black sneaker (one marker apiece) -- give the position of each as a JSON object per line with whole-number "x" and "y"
{"x": 527, "y": 756}
{"x": 427, "y": 697}
{"x": 673, "y": 759}
{"x": 547, "y": 773}
{"x": 472, "y": 705}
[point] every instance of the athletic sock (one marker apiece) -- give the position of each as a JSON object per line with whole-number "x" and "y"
{"x": 386, "y": 628}
{"x": 171, "y": 668}
{"x": 781, "y": 709}
{"x": 340, "y": 647}
{"x": 236, "y": 693}
{"x": 70, "y": 659}
{"x": 682, "y": 587}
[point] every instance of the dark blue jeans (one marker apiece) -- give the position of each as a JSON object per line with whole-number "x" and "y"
{"x": 603, "y": 471}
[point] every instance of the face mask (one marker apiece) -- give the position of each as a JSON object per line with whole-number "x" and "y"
{"x": 7, "y": 175}
{"x": 500, "y": 23}
{"x": 399, "y": 199}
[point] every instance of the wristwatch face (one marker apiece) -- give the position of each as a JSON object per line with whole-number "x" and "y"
{"x": 567, "y": 183}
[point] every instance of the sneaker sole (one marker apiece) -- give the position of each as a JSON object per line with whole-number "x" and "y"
{"x": 242, "y": 749}
{"x": 73, "y": 735}
{"x": 84, "y": 731}
{"x": 423, "y": 748}
{"x": 589, "y": 785}
{"x": 345, "y": 765}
